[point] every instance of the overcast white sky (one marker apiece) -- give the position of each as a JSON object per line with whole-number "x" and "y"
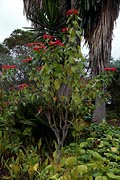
{"x": 11, "y": 18}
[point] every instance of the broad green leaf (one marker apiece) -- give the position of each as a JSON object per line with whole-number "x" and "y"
{"x": 109, "y": 137}
{"x": 112, "y": 176}
{"x": 82, "y": 151}
{"x": 101, "y": 144}
{"x": 93, "y": 165}
{"x": 114, "y": 149}
{"x": 101, "y": 178}
{"x": 49, "y": 167}
{"x": 83, "y": 144}
{"x": 57, "y": 84}
{"x": 97, "y": 155}
{"x": 82, "y": 169}
{"x": 55, "y": 177}
{"x": 38, "y": 84}
{"x": 70, "y": 161}
{"x": 46, "y": 83}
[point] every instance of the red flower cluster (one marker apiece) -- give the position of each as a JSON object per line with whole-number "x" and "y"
{"x": 57, "y": 43}
{"x": 64, "y": 29}
{"x": 110, "y": 69}
{"x": 22, "y": 86}
{"x": 72, "y": 11}
{"x": 9, "y": 66}
{"x": 27, "y": 60}
{"x": 34, "y": 44}
{"x": 46, "y": 36}
{"x": 37, "y": 48}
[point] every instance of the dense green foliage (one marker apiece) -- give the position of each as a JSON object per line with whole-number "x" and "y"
{"x": 42, "y": 114}
{"x": 96, "y": 155}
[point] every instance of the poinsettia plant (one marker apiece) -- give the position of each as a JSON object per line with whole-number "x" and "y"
{"x": 59, "y": 82}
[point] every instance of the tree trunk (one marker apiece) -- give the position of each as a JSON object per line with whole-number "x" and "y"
{"x": 99, "y": 38}
{"x": 100, "y": 111}
{"x": 58, "y": 154}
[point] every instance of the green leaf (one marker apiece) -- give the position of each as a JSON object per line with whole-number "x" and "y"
{"x": 36, "y": 78}
{"x": 76, "y": 98}
{"x": 49, "y": 167}
{"x": 57, "y": 84}
{"x": 93, "y": 165}
{"x": 101, "y": 178}
{"x": 6, "y": 177}
{"x": 73, "y": 69}
{"x": 38, "y": 84}
{"x": 83, "y": 144}
{"x": 82, "y": 169}
{"x": 46, "y": 83}
{"x": 112, "y": 176}
{"x": 97, "y": 155}
{"x": 70, "y": 161}
{"x": 114, "y": 149}
{"x": 55, "y": 177}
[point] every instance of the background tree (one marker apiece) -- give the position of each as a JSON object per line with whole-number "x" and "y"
{"x": 3, "y": 50}
{"x": 98, "y": 18}
{"x": 4, "y": 54}
{"x": 16, "y": 42}
{"x": 13, "y": 50}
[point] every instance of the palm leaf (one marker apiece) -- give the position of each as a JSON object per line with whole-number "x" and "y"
{"x": 98, "y": 19}
{"x": 50, "y": 18}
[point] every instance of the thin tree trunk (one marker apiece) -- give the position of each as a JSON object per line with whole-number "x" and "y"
{"x": 100, "y": 111}
{"x": 58, "y": 154}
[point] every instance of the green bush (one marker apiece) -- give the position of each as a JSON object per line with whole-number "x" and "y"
{"x": 98, "y": 157}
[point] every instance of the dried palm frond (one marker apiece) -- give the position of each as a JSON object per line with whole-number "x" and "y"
{"x": 98, "y": 18}
{"x": 29, "y": 4}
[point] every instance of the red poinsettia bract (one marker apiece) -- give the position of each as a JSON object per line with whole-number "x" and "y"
{"x": 110, "y": 69}
{"x": 9, "y": 66}
{"x": 72, "y": 11}
{"x": 64, "y": 30}
{"x": 27, "y": 60}
{"x": 57, "y": 43}
{"x": 37, "y": 48}
{"x": 22, "y": 86}
{"x": 47, "y": 36}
